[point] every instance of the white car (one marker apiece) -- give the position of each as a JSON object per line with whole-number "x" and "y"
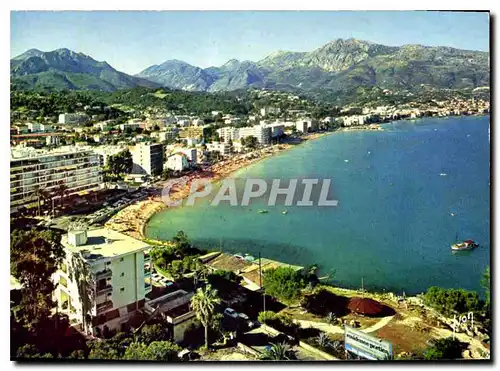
{"x": 244, "y": 316}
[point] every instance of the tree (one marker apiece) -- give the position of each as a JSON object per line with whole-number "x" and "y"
{"x": 323, "y": 341}
{"x": 224, "y": 274}
{"x": 162, "y": 351}
{"x": 150, "y": 333}
{"x": 121, "y": 163}
{"x": 136, "y": 352}
{"x": 35, "y": 256}
{"x": 40, "y": 194}
{"x": 61, "y": 191}
{"x": 203, "y": 304}
{"x": 331, "y": 318}
{"x": 452, "y": 301}
{"x": 486, "y": 284}
{"x": 447, "y": 348}
{"x": 156, "y": 351}
{"x": 278, "y": 352}
{"x": 175, "y": 269}
{"x": 283, "y": 283}
{"x": 82, "y": 274}
{"x": 181, "y": 241}
{"x": 102, "y": 350}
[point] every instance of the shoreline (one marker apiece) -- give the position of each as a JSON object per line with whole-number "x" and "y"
{"x": 133, "y": 219}
{"x": 216, "y": 173}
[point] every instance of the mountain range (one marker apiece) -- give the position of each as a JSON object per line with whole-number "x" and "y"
{"x": 64, "y": 69}
{"x": 339, "y": 67}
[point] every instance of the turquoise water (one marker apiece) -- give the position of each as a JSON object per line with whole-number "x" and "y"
{"x": 393, "y": 225}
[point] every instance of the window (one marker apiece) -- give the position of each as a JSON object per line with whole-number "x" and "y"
{"x": 122, "y": 275}
{"x": 122, "y": 289}
{"x": 121, "y": 259}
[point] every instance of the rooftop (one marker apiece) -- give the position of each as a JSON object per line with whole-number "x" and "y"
{"x": 19, "y": 153}
{"x": 105, "y": 243}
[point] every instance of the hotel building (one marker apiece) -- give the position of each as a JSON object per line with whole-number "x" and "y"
{"x": 103, "y": 279}
{"x": 30, "y": 169}
{"x": 147, "y": 158}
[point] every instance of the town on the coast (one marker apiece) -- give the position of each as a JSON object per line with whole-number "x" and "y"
{"x": 87, "y": 171}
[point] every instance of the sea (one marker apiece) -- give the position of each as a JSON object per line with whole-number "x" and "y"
{"x": 405, "y": 194}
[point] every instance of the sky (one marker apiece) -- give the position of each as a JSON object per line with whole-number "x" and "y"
{"x": 132, "y": 41}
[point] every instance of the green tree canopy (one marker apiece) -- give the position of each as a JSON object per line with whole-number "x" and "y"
{"x": 35, "y": 256}
{"x": 452, "y": 301}
{"x": 283, "y": 283}
{"x": 121, "y": 163}
{"x": 444, "y": 349}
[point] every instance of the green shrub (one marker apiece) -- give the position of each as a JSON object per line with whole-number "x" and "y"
{"x": 267, "y": 316}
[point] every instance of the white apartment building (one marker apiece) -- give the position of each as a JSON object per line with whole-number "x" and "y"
{"x": 73, "y": 118}
{"x": 177, "y": 162}
{"x": 77, "y": 168}
{"x": 197, "y": 122}
{"x": 227, "y": 133}
{"x": 103, "y": 279}
{"x": 270, "y": 110}
{"x": 306, "y": 125}
{"x": 184, "y": 123}
{"x": 33, "y": 127}
{"x": 147, "y": 158}
{"x": 131, "y": 125}
{"x": 46, "y": 127}
{"x": 222, "y": 147}
{"x": 355, "y": 120}
{"x": 261, "y": 132}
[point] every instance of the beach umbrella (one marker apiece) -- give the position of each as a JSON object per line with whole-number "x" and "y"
{"x": 365, "y": 306}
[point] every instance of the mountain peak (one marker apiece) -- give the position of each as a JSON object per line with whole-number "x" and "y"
{"x": 231, "y": 62}
{"x": 29, "y": 53}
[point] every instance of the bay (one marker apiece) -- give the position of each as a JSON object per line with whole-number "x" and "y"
{"x": 404, "y": 194}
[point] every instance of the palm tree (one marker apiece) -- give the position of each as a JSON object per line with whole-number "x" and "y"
{"x": 203, "y": 303}
{"x": 40, "y": 194}
{"x": 61, "y": 191}
{"x": 331, "y": 318}
{"x": 323, "y": 340}
{"x": 278, "y": 352}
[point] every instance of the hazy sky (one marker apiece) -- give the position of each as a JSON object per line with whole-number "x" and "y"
{"x": 132, "y": 41}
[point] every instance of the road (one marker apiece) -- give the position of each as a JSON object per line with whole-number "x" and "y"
{"x": 331, "y": 329}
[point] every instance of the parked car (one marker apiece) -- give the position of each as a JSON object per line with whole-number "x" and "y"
{"x": 231, "y": 312}
{"x": 244, "y": 316}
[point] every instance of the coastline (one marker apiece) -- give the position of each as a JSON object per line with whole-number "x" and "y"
{"x": 133, "y": 219}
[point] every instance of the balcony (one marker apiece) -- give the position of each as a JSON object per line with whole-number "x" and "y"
{"x": 100, "y": 308}
{"x": 147, "y": 258}
{"x": 104, "y": 290}
{"x": 106, "y": 273}
{"x": 147, "y": 272}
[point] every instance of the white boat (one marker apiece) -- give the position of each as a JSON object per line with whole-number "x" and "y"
{"x": 443, "y": 174}
{"x": 465, "y": 245}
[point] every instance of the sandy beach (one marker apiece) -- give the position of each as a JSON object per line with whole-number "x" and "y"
{"x": 133, "y": 219}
